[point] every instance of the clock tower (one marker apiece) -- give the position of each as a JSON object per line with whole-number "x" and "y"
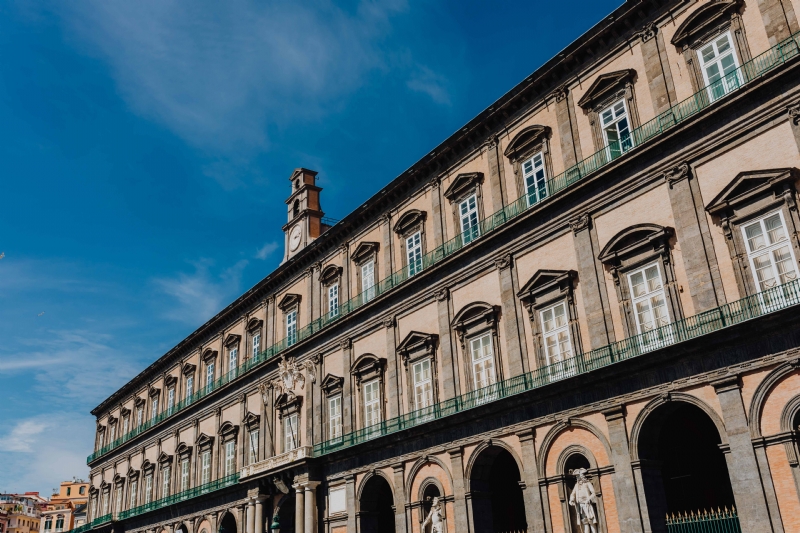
{"x": 304, "y": 212}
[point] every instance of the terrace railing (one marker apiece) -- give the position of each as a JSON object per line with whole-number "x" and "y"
{"x": 181, "y": 496}
{"x": 101, "y": 520}
{"x": 769, "y": 301}
{"x": 677, "y": 114}
{"x": 719, "y": 521}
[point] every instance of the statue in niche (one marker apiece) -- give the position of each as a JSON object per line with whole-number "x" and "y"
{"x": 583, "y": 500}
{"x": 435, "y": 517}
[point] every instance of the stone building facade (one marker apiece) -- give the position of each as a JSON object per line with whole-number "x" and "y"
{"x": 592, "y": 284}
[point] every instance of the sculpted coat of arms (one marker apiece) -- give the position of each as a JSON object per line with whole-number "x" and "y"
{"x": 290, "y": 377}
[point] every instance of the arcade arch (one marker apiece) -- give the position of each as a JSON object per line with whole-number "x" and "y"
{"x": 494, "y": 480}
{"x": 376, "y": 506}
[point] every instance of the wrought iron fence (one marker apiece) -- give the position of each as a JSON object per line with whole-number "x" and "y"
{"x": 719, "y": 521}
{"x": 181, "y": 496}
{"x": 677, "y": 114}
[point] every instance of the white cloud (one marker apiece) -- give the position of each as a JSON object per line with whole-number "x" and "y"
{"x": 427, "y": 82}
{"x": 266, "y": 250}
{"x": 22, "y": 436}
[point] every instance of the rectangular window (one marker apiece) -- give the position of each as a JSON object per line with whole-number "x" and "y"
{"x": 125, "y": 426}
{"x": 118, "y": 500}
{"x": 372, "y": 403}
{"x": 338, "y": 500}
{"x": 368, "y": 280}
{"x": 414, "y": 253}
{"x": 134, "y": 488}
{"x": 154, "y": 408}
{"x": 233, "y": 358}
{"x": 148, "y": 489}
{"x": 256, "y": 344}
{"x": 557, "y": 342}
{"x": 184, "y": 474}
{"x": 106, "y": 502}
{"x": 230, "y": 457}
{"x": 253, "y": 446}
{"x": 333, "y": 300}
{"x": 482, "y": 360}
{"x": 535, "y": 178}
{"x": 290, "y": 441}
{"x": 209, "y": 375}
{"x": 616, "y": 129}
{"x": 291, "y": 328}
{"x": 205, "y": 468}
{"x": 113, "y": 434}
{"x": 189, "y": 387}
{"x": 139, "y": 415}
{"x": 423, "y": 385}
{"x": 720, "y": 66}
{"x": 649, "y": 301}
{"x": 165, "y": 473}
{"x": 335, "y": 417}
{"x": 771, "y": 258}
{"x": 468, "y": 213}
{"x": 170, "y": 399}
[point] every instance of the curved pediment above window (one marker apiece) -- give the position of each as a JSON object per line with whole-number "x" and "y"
{"x": 164, "y": 459}
{"x": 748, "y": 187}
{"x": 132, "y": 474}
{"x": 528, "y": 138}
{"x": 112, "y": 420}
{"x": 124, "y": 412}
{"x": 251, "y": 420}
{"x": 204, "y": 441}
{"x": 118, "y": 479}
{"x": 332, "y": 384}
{"x": 188, "y": 368}
{"x": 547, "y": 285}
{"x": 153, "y": 391}
{"x": 409, "y": 220}
{"x": 474, "y": 314}
{"x": 417, "y": 345}
{"x": 462, "y": 185}
{"x": 209, "y": 355}
{"x": 365, "y": 250}
{"x": 232, "y": 340}
{"x": 139, "y": 402}
{"x": 289, "y": 301}
{"x": 367, "y": 366}
{"x": 183, "y": 449}
{"x": 330, "y": 274}
{"x": 169, "y": 381}
{"x": 635, "y": 240}
{"x": 254, "y": 324}
{"x": 704, "y": 20}
{"x": 228, "y": 430}
{"x": 93, "y": 490}
{"x": 606, "y": 87}
{"x": 147, "y": 466}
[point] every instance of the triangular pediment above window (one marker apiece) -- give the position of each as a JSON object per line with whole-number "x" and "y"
{"x": 633, "y": 239}
{"x": 408, "y": 220}
{"x": 289, "y": 301}
{"x": 332, "y": 384}
{"x": 204, "y": 440}
{"x": 251, "y": 420}
{"x": 525, "y": 139}
{"x": 606, "y": 85}
{"x": 330, "y": 274}
{"x": 365, "y": 250}
{"x": 417, "y": 344}
{"x": 546, "y": 282}
{"x": 462, "y": 184}
{"x": 747, "y": 186}
{"x": 703, "y": 20}
{"x": 476, "y": 311}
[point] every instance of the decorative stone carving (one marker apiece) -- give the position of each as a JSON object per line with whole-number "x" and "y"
{"x": 443, "y": 294}
{"x": 388, "y": 322}
{"x": 579, "y": 223}
{"x": 559, "y": 94}
{"x": 264, "y": 388}
{"x": 583, "y": 499}
{"x": 648, "y": 32}
{"x": 794, "y": 113}
{"x": 290, "y": 376}
{"x": 435, "y": 517}
{"x": 676, "y": 174}
{"x": 344, "y": 343}
{"x": 503, "y": 262}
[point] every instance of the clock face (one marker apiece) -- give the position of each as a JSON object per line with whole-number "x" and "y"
{"x": 294, "y": 238}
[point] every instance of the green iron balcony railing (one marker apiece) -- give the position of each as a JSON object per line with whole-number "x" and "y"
{"x": 221, "y": 483}
{"x": 719, "y": 521}
{"x": 81, "y": 529}
{"x": 677, "y": 114}
{"x": 730, "y": 314}
{"x": 101, "y": 520}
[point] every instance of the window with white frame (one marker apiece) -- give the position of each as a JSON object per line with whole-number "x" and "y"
{"x": 48, "y": 523}
{"x": 335, "y": 417}
{"x": 648, "y": 298}
{"x": 468, "y": 215}
{"x": 170, "y": 399}
{"x": 535, "y": 178}
{"x": 372, "y": 403}
{"x": 125, "y": 425}
{"x": 148, "y": 488}
{"x": 154, "y": 408}
{"x": 482, "y": 354}
{"x": 290, "y": 440}
{"x": 291, "y": 327}
{"x": 60, "y": 523}
{"x": 423, "y": 384}
{"x": 233, "y": 357}
{"x": 113, "y": 434}
{"x": 189, "y": 386}
{"x": 230, "y": 457}
{"x": 209, "y": 374}
{"x": 256, "y": 344}
{"x": 414, "y": 253}
{"x": 134, "y": 488}
{"x": 205, "y": 467}
{"x": 555, "y": 330}
{"x": 253, "y": 451}
{"x": 769, "y": 251}
{"x": 333, "y": 300}
{"x": 184, "y": 474}
{"x": 118, "y": 500}
{"x": 165, "y": 472}
{"x": 106, "y": 502}
{"x": 368, "y": 280}
{"x": 719, "y": 65}
{"x": 616, "y": 128}
{"x": 139, "y": 416}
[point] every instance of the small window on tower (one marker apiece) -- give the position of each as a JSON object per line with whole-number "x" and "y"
{"x": 296, "y": 208}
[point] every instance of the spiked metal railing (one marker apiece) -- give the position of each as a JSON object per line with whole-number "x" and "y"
{"x": 719, "y": 521}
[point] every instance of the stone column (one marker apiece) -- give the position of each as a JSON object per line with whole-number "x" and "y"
{"x": 592, "y": 282}
{"x": 630, "y": 520}
{"x": 516, "y": 363}
{"x": 259, "y": 515}
{"x": 779, "y": 18}
{"x": 299, "y": 509}
{"x": 399, "y": 498}
{"x": 694, "y": 238}
{"x": 567, "y": 130}
{"x": 748, "y": 492}
{"x": 311, "y": 506}
{"x": 447, "y": 358}
{"x": 459, "y": 493}
{"x": 532, "y": 497}
{"x": 350, "y": 493}
{"x": 250, "y": 526}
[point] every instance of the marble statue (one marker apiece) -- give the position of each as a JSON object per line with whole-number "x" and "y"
{"x": 584, "y": 500}
{"x": 435, "y": 517}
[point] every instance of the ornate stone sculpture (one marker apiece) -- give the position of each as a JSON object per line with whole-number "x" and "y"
{"x": 584, "y": 500}
{"x": 290, "y": 375}
{"x": 435, "y": 517}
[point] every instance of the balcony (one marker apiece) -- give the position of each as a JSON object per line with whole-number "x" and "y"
{"x": 181, "y": 496}
{"x": 277, "y": 461}
{"x": 678, "y": 114}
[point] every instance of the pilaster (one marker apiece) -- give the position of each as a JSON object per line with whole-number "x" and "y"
{"x": 516, "y": 363}
{"x": 446, "y": 351}
{"x": 534, "y": 514}
{"x": 459, "y": 493}
{"x": 399, "y": 498}
{"x": 630, "y": 520}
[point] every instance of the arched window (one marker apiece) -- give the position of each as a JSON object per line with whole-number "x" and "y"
{"x": 296, "y": 208}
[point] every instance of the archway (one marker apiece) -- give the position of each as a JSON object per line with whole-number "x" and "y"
{"x": 228, "y": 524}
{"x": 283, "y": 518}
{"x": 429, "y": 492}
{"x": 497, "y": 503}
{"x": 683, "y": 467}
{"x": 182, "y": 529}
{"x": 376, "y": 507}
{"x": 573, "y": 463}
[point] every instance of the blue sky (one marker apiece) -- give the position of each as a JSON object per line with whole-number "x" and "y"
{"x": 146, "y": 150}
